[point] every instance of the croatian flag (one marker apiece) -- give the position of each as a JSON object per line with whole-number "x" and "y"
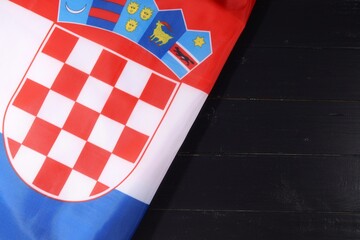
{"x": 96, "y": 97}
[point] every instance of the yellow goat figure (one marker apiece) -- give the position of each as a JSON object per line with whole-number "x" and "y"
{"x": 159, "y": 36}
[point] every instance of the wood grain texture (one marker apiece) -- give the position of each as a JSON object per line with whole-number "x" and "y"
{"x": 268, "y": 126}
{"x": 256, "y": 182}
{"x": 304, "y": 23}
{"x": 275, "y": 151}
{"x": 234, "y": 225}
{"x": 291, "y": 73}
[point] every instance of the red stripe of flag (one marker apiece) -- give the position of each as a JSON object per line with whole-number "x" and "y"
{"x": 181, "y": 54}
{"x": 120, "y": 2}
{"x": 104, "y": 14}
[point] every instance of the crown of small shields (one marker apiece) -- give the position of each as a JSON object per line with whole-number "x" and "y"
{"x": 162, "y": 32}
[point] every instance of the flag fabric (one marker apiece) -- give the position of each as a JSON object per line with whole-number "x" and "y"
{"x": 100, "y": 134}
{"x": 191, "y": 49}
{"x": 104, "y": 13}
{"x": 96, "y": 97}
{"x": 136, "y": 18}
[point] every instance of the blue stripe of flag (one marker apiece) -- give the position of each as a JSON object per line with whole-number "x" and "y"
{"x": 101, "y": 23}
{"x": 28, "y": 215}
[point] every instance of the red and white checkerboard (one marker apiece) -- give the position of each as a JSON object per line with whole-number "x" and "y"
{"x": 82, "y": 117}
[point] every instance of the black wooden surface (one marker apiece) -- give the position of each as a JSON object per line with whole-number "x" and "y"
{"x": 275, "y": 152}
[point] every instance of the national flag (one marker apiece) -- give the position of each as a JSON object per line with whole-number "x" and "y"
{"x": 89, "y": 127}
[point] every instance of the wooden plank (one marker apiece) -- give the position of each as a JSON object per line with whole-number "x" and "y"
{"x": 233, "y": 225}
{"x": 306, "y": 127}
{"x": 295, "y": 73}
{"x": 306, "y": 23}
{"x": 262, "y": 183}
{"x": 274, "y": 153}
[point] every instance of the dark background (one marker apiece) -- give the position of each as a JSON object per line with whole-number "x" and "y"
{"x": 275, "y": 151}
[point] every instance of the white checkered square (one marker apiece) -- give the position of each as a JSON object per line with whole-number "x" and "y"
{"x": 84, "y": 55}
{"x": 55, "y": 109}
{"x": 28, "y": 163}
{"x": 67, "y": 149}
{"x": 106, "y": 133}
{"x": 44, "y": 70}
{"x": 77, "y": 187}
{"x": 18, "y": 123}
{"x": 115, "y": 170}
{"x": 145, "y": 118}
{"x": 133, "y": 79}
{"x": 94, "y": 94}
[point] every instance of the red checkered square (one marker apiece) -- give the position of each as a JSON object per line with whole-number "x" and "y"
{"x": 31, "y": 97}
{"x": 81, "y": 121}
{"x": 92, "y": 161}
{"x": 60, "y": 44}
{"x": 52, "y": 176}
{"x": 69, "y": 82}
{"x": 108, "y": 68}
{"x": 99, "y": 188}
{"x": 119, "y": 106}
{"x": 158, "y": 91}
{"x": 130, "y": 144}
{"x": 13, "y": 147}
{"x": 41, "y": 136}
